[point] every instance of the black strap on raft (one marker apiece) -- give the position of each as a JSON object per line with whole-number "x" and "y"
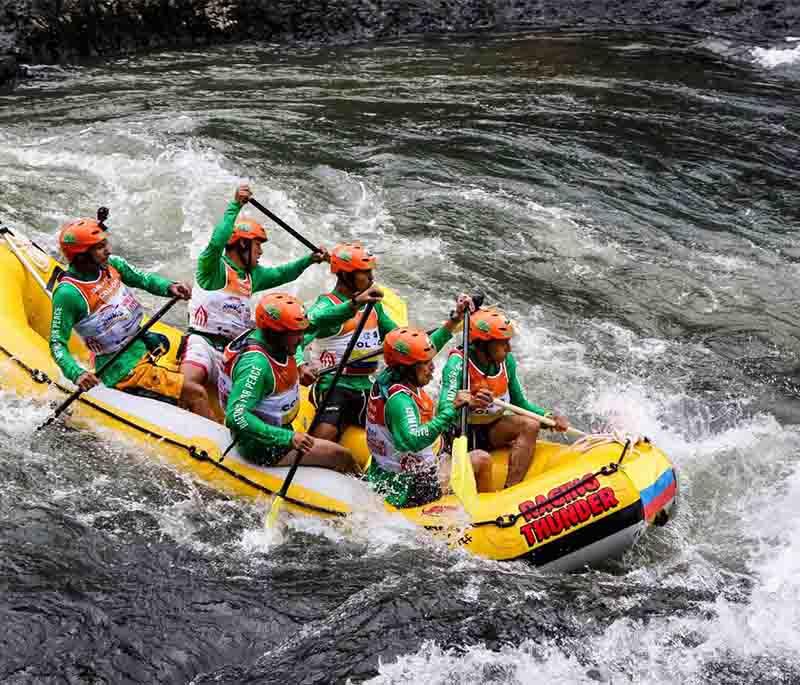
{"x": 193, "y": 451}
{"x": 508, "y": 520}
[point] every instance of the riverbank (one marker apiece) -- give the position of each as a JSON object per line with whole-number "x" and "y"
{"x": 57, "y": 31}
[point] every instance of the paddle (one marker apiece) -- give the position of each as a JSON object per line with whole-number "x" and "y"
{"x": 544, "y": 420}
{"x": 286, "y": 227}
{"x": 477, "y": 300}
{"x": 462, "y": 477}
{"x": 368, "y": 354}
{"x": 75, "y": 395}
{"x": 277, "y": 503}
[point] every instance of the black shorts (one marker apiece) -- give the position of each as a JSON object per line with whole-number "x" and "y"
{"x": 345, "y": 407}
{"x": 479, "y": 436}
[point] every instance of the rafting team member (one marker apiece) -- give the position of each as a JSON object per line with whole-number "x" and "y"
{"x": 228, "y": 274}
{"x": 335, "y": 317}
{"x": 94, "y": 297}
{"x": 492, "y": 367}
{"x": 259, "y": 386}
{"x": 403, "y": 434}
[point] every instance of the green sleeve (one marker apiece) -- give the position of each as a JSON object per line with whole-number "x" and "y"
{"x": 515, "y": 389}
{"x": 68, "y": 308}
{"x": 210, "y": 273}
{"x": 271, "y": 277}
{"x": 299, "y": 355}
{"x": 385, "y": 322}
{"x": 252, "y": 380}
{"x": 409, "y": 435}
{"x": 325, "y": 316}
{"x": 451, "y": 383}
{"x": 440, "y": 337}
{"x": 133, "y": 277}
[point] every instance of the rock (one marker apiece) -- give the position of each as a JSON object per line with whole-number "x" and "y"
{"x": 8, "y": 74}
{"x": 61, "y": 30}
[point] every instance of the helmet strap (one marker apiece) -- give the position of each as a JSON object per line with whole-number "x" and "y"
{"x": 85, "y": 262}
{"x": 346, "y": 279}
{"x": 406, "y": 374}
{"x": 245, "y": 251}
{"x": 276, "y": 342}
{"x": 481, "y": 349}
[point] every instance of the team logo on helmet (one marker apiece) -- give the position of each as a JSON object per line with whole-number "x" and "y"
{"x": 345, "y": 256}
{"x": 245, "y": 228}
{"x": 402, "y": 347}
{"x": 483, "y": 326}
{"x": 273, "y": 311}
{"x": 68, "y": 238}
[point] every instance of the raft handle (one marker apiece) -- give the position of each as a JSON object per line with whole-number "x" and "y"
{"x": 200, "y": 455}
{"x": 40, "y": 376}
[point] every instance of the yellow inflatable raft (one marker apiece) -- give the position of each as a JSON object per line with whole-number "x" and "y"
{"x": 577, "y": 505}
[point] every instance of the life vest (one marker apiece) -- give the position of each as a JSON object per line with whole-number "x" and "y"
{"x": 496, "y": 384}
{"x": 379, "y": 437}
{"x": 114, "y": 312}
{"x": 328, "y": 351}
{"x": 224, "y": 312}
{"x": 281, "y": 406}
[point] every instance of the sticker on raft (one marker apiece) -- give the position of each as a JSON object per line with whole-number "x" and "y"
{"x": 439, "y": 510}
{"x": 551, "y": 515}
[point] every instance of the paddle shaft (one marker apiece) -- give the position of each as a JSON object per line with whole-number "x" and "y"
{"x": 477, "y": 300}
{"x": 544, "y": 420}
{"x": 462, "y": 475}
{"x": 323, "y": 405}
{"x": 465, "y": 372}
{"x": 377, "y": 352}
{"x": 75, "y": 395}
{"x": 286, "y": 227}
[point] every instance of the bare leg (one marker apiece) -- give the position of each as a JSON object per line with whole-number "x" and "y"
{"x": 519, "y": 433}
{"x": 194, "y": 396}
{"x": 327, "y": 454}
{"x": 326, "y": 431}
{"x": 481, "y": 466}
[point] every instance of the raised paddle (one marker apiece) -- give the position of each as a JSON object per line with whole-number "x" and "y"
{"x": 462, "y": 477}
{"x": 391, "y": 301}
{"x": 544, "y": 420}
{"x": 75, "y": 395}
{"x": 277, "y": 503}
{"x": 286, "y": 227}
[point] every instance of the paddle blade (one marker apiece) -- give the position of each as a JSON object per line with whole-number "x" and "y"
{"x": 271, "y": 519}
{"x": 395, "y": 306}
{"x": 462, "y": 477}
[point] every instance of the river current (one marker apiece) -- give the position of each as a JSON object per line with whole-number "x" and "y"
{"x": 631, "y": 200}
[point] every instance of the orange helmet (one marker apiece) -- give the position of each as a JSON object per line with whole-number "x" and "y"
{"x": 77, "y": 236}
{"x": 407, "y": 346}
{"x": 281, "y": 312}
{"x": 490, "y": 324}
{"x": 247, "y": 229}
{"x": 352, "y": 257}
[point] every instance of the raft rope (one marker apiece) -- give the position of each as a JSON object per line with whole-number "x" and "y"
{"x": 502, "y": 521}
{"x": 508, "y": 520}
{"x": 193, "y": 451}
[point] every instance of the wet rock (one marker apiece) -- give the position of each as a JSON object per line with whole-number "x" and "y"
{"x": 8, "y": 74}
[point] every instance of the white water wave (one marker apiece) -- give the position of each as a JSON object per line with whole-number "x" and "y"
{"x": 776, "y": 57}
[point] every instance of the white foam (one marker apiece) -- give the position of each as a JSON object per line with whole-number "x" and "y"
{"x": 476, "y": 665}
{"x": 776, "y": 57}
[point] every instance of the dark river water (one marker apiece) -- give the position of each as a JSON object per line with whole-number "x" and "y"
{"x": 631, "y": 200}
